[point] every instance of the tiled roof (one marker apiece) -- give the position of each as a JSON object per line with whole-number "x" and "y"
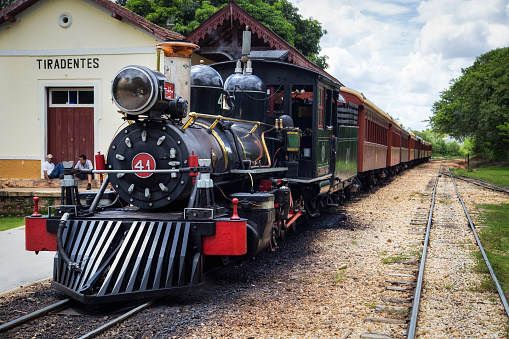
{"x": 118, "y": 12}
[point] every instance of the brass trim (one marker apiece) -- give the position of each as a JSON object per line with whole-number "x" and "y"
{"x": 188, "y": 122}
{"x": 220, "y": 117}
{"x": 214, "y": 124}
{"x": 254, "y": 128}
{"x": 241, "y": 144}
{"x": 158, "y": 67}
{"x": 259, "y": 144}
{"x": 219, "y": 141}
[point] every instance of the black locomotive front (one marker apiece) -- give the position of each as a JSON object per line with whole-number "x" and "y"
{"x": 178, "y": 177}
{"x": 157, "y": 140}
{"x": 155, "y": 145}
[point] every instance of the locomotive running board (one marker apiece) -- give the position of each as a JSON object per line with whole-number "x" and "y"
{"x": 122, "y": 260}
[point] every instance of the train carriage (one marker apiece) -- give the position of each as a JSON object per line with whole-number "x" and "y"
{"x": 412, "y": 144}
{"x": 373, "y": 146}
{"x": 428, "y": 150}
{"x": 394, "y": 150}
{"x": 405, "y": 155}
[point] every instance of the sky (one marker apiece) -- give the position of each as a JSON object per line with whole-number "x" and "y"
{"x": 401, "y": 54}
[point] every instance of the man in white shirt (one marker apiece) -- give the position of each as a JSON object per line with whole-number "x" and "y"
{"x": 50, "y": 170}
{"x": 84, "y": 163}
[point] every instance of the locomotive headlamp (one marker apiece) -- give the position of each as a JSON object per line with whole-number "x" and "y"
{"x": 137, "y": 90}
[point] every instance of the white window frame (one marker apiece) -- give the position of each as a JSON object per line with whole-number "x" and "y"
{"x": 68, "y": 89}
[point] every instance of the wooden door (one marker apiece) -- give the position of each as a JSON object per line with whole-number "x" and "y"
{"x": 70, "y": 130}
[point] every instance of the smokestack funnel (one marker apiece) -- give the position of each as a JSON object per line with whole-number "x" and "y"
{"x": 246, "y": 42}
{"x": 177, "y": 65}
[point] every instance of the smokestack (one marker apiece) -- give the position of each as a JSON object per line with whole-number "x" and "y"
{"x": 246, "y": 42}
{"x": 177, "y": 65}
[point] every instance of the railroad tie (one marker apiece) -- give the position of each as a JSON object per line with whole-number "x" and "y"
{"x": 386, "y": 320}
{"x": 375, "y": 336}
{"x": 392, "y": 309}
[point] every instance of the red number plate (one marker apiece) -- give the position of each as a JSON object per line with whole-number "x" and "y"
{"x": 143, "y": 162}
{"x": 169, "y": 90}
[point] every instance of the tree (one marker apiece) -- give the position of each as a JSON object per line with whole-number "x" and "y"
{"x": 426, "y": 135}
{"x": 476, "y": 106}
{"x": 308, "y": 32}
{"x": 183, "y": 16}
{"x": 441, "y": 146}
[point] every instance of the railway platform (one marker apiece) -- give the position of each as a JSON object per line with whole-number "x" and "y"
{"x": 19, "y": 267}
{"x": 16, "y": 195}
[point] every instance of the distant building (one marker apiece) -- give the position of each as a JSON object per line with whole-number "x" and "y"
{"x": 57, "y": 61}
{"x": 220, "y": 39}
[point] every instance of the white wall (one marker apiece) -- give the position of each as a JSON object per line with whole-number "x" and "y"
{"x": 100, "y": 45}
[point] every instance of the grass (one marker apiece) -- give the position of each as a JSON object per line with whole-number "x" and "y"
{"x": 371, "y": 304}
{"x": 391, "y": 259}
{"x": 495, "y": 240}
{"x": 497, "y": 175}
{"x": 339, "y": 277}
{"x": 447, "y": 286}
{"x": 8, "y": 223}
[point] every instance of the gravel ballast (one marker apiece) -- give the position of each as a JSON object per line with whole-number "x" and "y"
{"x": 336, "y": 277}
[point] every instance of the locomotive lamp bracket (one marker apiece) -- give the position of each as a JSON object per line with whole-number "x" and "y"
{"x": 198, "y": 213}
{"x": 254, "y": 127}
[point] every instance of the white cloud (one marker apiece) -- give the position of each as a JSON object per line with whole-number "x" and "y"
{"x": 402, "y": 53}
{"x": 458, "y": 28}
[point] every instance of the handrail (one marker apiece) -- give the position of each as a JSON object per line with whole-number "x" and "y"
{"x": 217, "y": 118}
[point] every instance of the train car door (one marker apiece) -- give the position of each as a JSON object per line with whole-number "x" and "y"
{"x": 324, "y": 132}
{"x": 70, "y": 123}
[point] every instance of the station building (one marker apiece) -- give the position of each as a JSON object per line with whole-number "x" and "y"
{"x": 57, "y": 61}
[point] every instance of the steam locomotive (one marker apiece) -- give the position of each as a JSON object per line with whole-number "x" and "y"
{"x": 272, "y": 143}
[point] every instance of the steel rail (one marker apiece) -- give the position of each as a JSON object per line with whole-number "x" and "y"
{"x": 483, "y": 183}
{"x": 481, "y": 248}
{"x": 418, "y": 288}
{"x": 34, "y": 315}
{"x": 117, "y": 320}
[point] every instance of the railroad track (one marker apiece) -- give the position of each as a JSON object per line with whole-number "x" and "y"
{"x": 443, "y": 219}
{"x": 483, "y": 183}
{"x": 445, "y": 230}
{"x": 67, "y": 303}
{"x": 400, "y": 280}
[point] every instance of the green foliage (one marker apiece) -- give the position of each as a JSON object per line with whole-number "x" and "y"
{"x": 476, "y": 106}
{"x": 498, "y": 175}
{"x": 442, "y": 147}
{"x": 8, "y": 223}
{"x": 308, "y": 31}
{"x": 495, "y": 240}
{"x": 271, "y": 17}
{"x": 183, "y": 16}
{"x": 320, "y": 61}
{"x": 426, "y": 135}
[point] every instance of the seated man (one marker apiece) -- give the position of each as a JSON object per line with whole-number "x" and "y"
{"x": 50, "y": 170}
{"x": 84, "y": 163}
